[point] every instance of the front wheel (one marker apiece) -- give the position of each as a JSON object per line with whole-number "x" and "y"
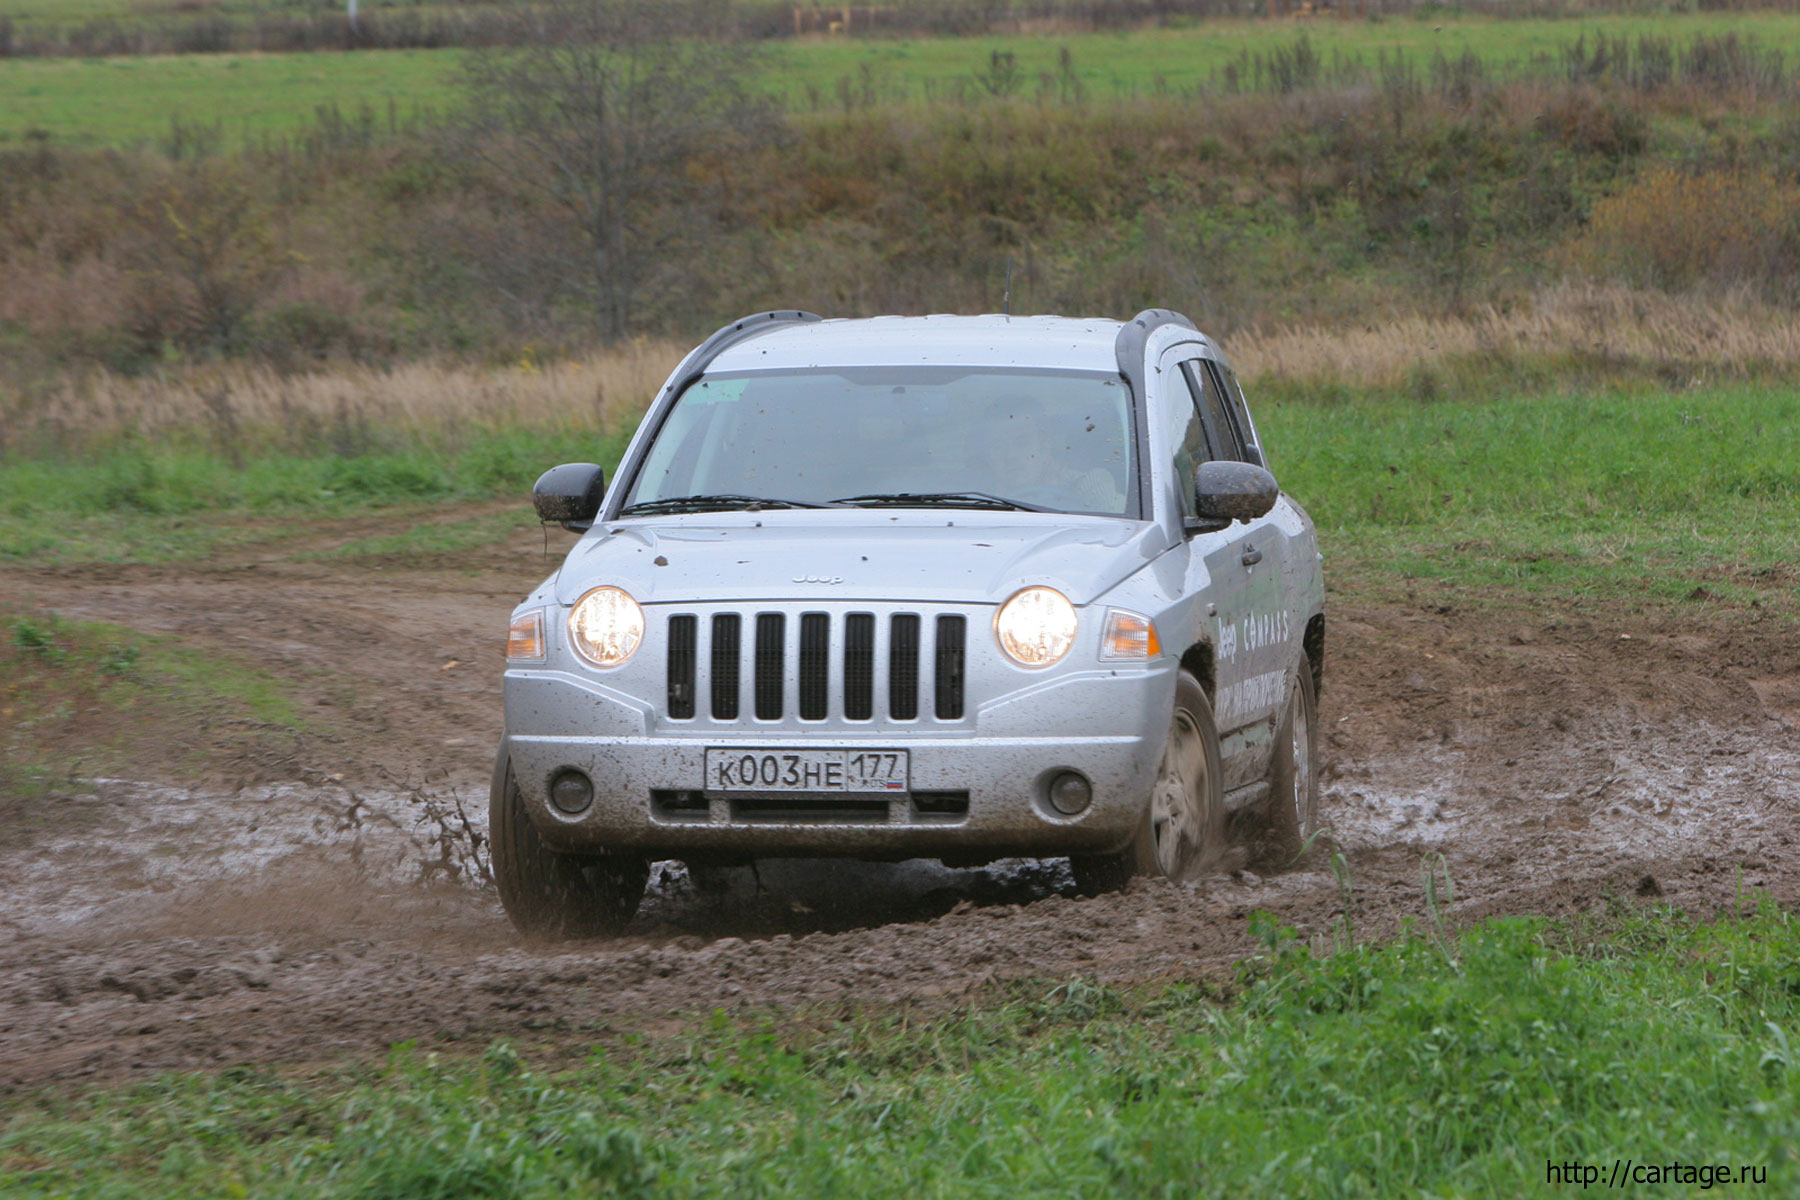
{"x": 1183, "y": 830}
{"x": 551, "y": 895}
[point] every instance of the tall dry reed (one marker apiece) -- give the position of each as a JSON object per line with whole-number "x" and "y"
{"x": 1616, "y": 325}
{"x": 607, "y": 392}
{"x": 602, "y": 392}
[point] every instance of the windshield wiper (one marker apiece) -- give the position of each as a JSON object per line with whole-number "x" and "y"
{"x": 719, "y": 502}
{"x": 942, "y": 500}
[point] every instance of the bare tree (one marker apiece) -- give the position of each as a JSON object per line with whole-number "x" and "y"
{"x": 603, "y": 106}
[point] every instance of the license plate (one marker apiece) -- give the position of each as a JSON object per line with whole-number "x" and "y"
{"x": 806, "y": 770}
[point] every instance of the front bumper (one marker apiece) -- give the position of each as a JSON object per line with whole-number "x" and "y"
{"x": 978, "y": 787}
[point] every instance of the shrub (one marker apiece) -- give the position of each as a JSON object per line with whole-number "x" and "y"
{"x": 1674, "y": 229}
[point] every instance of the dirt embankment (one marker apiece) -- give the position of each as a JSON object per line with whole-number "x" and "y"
{"x": 1552, "y": 759}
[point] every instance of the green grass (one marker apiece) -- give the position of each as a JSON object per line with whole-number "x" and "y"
{"x": 1626, "y": 491}
{"x": 134, "y": 100}
{"x": 69, "y": 12}
{"x": 129, "y": 101}
{"x": 76, "y": 697}
{"x": 1442, "y": 1066}
{"x": 1139, "y": 62}
{"x": 434, "y": 541}
{"x": 1630, "y": 494}
{"x": 135, "y": 503}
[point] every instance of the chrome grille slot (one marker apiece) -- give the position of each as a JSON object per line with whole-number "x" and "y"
{"x": 903, "y": 667}
{"x": 727, "y": 634}
{"x": 949, "y": 667}
{"x": 771, "y": 646}
{"x": 682, "y": 632}
{"x": 859, "y": 666}
{"x": 815, "y": 665}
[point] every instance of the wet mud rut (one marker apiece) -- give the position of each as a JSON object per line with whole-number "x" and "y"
{"x": 1554, "y": 761}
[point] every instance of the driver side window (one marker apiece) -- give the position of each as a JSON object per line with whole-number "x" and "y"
{"x": 1188, "y": 437}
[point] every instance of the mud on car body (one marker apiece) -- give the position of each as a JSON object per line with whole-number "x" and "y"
{"x": 951, "y": 587}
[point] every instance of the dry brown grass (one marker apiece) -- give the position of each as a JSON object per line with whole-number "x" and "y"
{"x": 604, "y": 391}
{"x": 608, "y": 391}
{"x": 1584, "y": 322}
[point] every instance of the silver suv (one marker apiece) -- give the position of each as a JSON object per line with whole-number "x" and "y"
{"x": 951, "y": 587}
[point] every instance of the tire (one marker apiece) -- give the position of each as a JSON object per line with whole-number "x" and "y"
{"x": 1183, "y": 830}
{"x": 1294, "y": 771}
{"x": 550, "y": 895}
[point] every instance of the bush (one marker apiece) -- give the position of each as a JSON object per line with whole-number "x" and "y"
{"x": 1674, "y": 229}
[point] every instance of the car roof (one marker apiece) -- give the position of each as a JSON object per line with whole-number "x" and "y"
{"x": 1053, "y": 343}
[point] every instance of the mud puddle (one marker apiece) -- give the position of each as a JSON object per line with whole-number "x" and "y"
{"x": 1550, "y": 761}
{"x": 197, "y": 928}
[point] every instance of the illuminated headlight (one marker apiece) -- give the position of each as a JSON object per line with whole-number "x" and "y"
{"x": 605, "y": 626}
{"x": 1036, "y": 627}
{"x": 525, "y": 637}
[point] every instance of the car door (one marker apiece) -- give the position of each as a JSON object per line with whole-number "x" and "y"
{"x": 1244, "y": 563}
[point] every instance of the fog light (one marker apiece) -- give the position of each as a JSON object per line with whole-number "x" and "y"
{"x": 1070, "y": 793}
{"x": 571, "y": 792}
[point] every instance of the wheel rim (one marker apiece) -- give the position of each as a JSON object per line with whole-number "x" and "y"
{"x": 1301, "y": 750}
{"x": 1177, "y": 823}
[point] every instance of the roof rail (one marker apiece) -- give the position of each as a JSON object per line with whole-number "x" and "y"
{"x": 742, "y": 329}
{"x": 1133, "y": 336}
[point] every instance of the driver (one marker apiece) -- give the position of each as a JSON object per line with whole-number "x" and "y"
{"x": 1035, "y": 456}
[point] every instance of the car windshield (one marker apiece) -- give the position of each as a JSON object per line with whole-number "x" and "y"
{"x": 896, "y": 436}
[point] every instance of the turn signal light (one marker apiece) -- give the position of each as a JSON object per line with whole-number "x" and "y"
{"x": 525, "y": 637}
{"x": 1129, "y": 635}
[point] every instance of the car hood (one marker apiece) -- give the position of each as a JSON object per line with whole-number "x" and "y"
{"x": 873, "y": 555}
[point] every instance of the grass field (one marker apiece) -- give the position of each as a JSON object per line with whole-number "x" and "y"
{"x": 114, "y": 690}
{"x": 1637, "y": 493}
{"x": 134, "y": 100}
{"x": 57, "y": 11}
{"x": 1438, "y": 1064}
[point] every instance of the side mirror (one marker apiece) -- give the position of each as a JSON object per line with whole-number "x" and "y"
{"x": 569, "y": 495}
{"x": 1233, "y": 491}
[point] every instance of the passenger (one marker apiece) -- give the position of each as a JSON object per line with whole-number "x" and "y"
{"x": 1037, "y": 456}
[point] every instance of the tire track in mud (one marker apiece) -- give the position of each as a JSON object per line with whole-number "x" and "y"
{"x": 1553, "y": 760}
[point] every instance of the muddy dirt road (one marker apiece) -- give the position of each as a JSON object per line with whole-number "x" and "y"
{"x": 302, "y": 899}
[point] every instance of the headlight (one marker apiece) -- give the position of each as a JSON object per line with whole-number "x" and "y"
{"x": 1036, "y": 627}
{"x": 605, "y": 626}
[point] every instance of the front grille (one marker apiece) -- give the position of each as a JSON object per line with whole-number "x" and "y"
{"x": 833, "y": 666}
{"x": 808, "y": 809}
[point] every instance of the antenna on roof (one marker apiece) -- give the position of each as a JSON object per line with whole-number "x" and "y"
{"x": 1008, "y": 300}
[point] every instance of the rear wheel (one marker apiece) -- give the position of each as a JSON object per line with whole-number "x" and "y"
{"x": 1294, "y": 775}
{"x": 1183, "y": 830}
{"x": 551, "y": 895}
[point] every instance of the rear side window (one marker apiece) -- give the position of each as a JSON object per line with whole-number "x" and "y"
{"x": 1223, "y": 437}
{"x": 1233, "y": 393}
